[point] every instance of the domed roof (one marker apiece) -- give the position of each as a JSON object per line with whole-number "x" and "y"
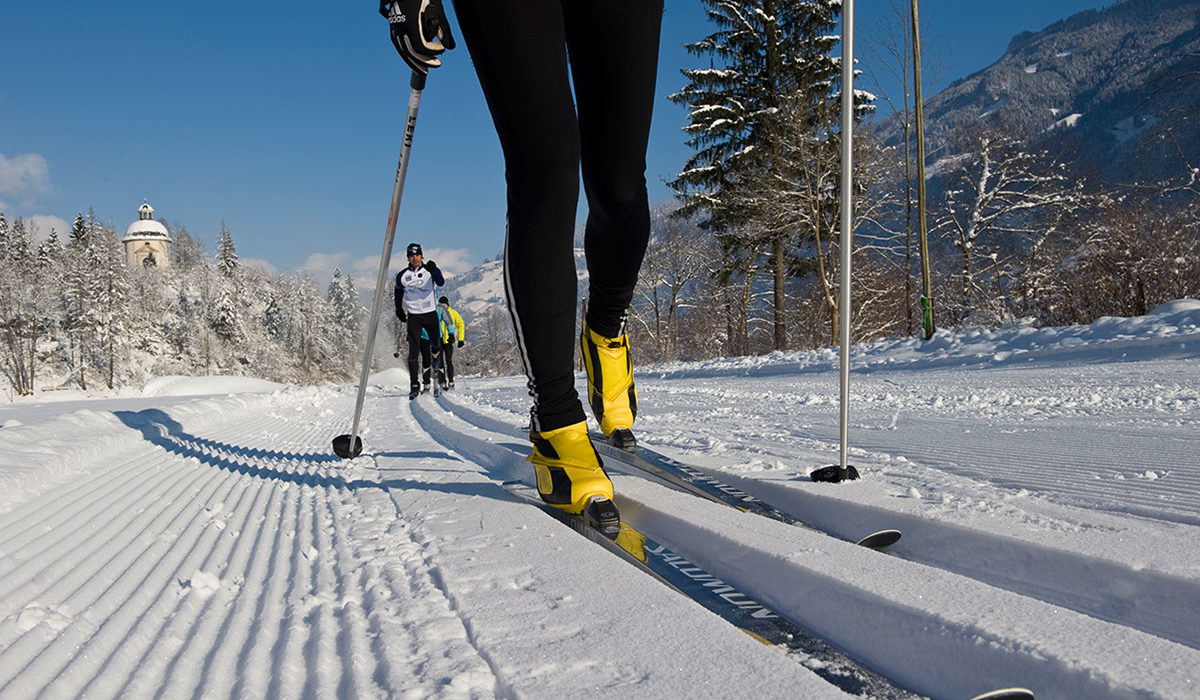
{"x": 145, "y": 227}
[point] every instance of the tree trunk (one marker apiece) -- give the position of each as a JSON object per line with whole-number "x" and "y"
{"x": 780, "y": 273}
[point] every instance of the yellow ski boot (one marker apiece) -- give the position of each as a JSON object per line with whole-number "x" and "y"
{"x": 611, "y": 391}
{"x": 569, "y": 471}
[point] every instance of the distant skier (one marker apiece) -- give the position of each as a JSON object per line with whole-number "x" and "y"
{"x": 520, "y": 51}
{"x": 416, "y": 306}
{"x": 455, "y": 335}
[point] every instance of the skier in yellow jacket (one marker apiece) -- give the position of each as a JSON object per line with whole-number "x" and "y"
{"x": 454, "y": 334}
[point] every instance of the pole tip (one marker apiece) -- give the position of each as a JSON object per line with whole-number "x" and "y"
{"x": 344, "y": 448}
{"x": 834, "y": 474}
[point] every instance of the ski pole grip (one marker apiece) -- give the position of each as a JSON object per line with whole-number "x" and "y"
{"x": 418, "y": 81}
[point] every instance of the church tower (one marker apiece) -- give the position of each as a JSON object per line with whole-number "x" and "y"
{"x": 147, "y": 243}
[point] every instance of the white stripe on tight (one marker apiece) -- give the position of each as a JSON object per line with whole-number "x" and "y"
{"x": 520, "y": 334}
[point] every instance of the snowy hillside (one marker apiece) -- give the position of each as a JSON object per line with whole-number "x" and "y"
{"x": 1046, "y": 480}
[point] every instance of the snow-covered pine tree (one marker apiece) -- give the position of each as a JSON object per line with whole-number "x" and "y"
{"x": 112, "y": 305}
{"x": 346, "y": 318}
{"x": 187, "y": 252}
{"x": 18, "y": 320}
{"x": 49, "y": 252}
{"x": 770, "y": 68}
{"x": 227, "y": 259}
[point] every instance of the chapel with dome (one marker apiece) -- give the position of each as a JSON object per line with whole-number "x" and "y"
{"x": 147, "y": 243}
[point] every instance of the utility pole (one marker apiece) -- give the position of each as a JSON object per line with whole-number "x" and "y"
{"x": 926, "y": 293}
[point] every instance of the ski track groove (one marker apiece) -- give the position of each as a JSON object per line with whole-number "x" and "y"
{"x": 62, "y": 538}
{"x": 256, "y": 654}
{"x": 210, "y": 508}
{"x": 81, "y": 638}
{"x": 33, "y": 515}
{"x": 220, "y": 665}
{"x": 187, "y": 670}
{"x": 167, "y": 612}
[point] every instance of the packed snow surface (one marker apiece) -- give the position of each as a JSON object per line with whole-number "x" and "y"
{"x": 201, "y": 539}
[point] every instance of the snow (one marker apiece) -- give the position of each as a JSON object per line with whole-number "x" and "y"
{"x": 1132, "y": 127}
{"x": 200, "y": 539}
{"x": 1067, "y": 122}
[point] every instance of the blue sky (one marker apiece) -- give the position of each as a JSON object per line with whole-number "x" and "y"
{"x": 284, "y": 120}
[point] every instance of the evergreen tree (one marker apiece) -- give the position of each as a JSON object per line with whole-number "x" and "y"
{"x": 78, "y": 229}
{"x": 770, "y": 70}
{"x": 186, "y": 252}
{"x": 16, "y": 246}
{"x": 49, "y": 252}
{"x": 18, "y": 320}
{"x": 227, "y": 259}
{"x": 79, "y": 295}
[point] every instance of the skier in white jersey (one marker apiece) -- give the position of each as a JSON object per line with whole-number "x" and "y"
{"x": 416, "y": 305}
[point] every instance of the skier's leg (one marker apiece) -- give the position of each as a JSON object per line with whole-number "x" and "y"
{"x": 448, "y": 361}
{"x": 413, "y": 334}
{"x": 426, "y": 362}
{"x": 614, "y": 58}
{"x": 519, "y": 52}
{"x": 614, "y": 77}
{"x": 518, "y": 48}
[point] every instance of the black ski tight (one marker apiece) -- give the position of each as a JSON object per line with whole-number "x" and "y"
{"x": 418, "y": 349}
{"x": 520, "y": 51}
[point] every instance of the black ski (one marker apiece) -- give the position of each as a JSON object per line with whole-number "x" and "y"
{"x": 1006, "y": 694}
{"x": 703, "y": 484}
{"x": 659, "y": 562}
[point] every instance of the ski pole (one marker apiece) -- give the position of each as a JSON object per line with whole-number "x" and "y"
{"x": 842, "y": 470}
{"x": 350, "y": 446}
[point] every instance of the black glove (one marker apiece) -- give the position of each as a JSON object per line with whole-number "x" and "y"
{"x": 420, "y": 31}
{"x": 431, "y": 266}
{"x": 460, "y": 343}
{"x": 402, "y": 316}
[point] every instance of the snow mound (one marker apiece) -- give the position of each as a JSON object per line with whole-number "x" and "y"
{"x": 201, "y": 386}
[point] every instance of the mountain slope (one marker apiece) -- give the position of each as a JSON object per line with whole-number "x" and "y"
{"x": 1098, "y": 88}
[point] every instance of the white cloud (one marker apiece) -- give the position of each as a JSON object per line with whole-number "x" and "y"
{"x": 259, "y": 264}
{"x": 365, "y": 270}
{"x": 43, "y": 223}
{"x": 24, "y": 177}
{"x": 452, "y": 261}
{"x": 319, "y": 268}
{"x": 323, "y": 263}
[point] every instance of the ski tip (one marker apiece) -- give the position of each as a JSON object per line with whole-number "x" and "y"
{"x": 1007, "y": 694}
{"x": 881, "y": 539}
{"x": 343, "y": 448}
{"x": 834, "y": 474}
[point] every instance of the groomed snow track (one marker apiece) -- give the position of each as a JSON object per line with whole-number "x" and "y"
{"x": 217, "y": 548}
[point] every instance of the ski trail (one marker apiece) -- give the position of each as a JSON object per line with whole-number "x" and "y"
{"x": 584, "y": 655}
{"x": 219, "y": 556}
{"x": 1133, "y": 595}
{"x": 842, "y": 593}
